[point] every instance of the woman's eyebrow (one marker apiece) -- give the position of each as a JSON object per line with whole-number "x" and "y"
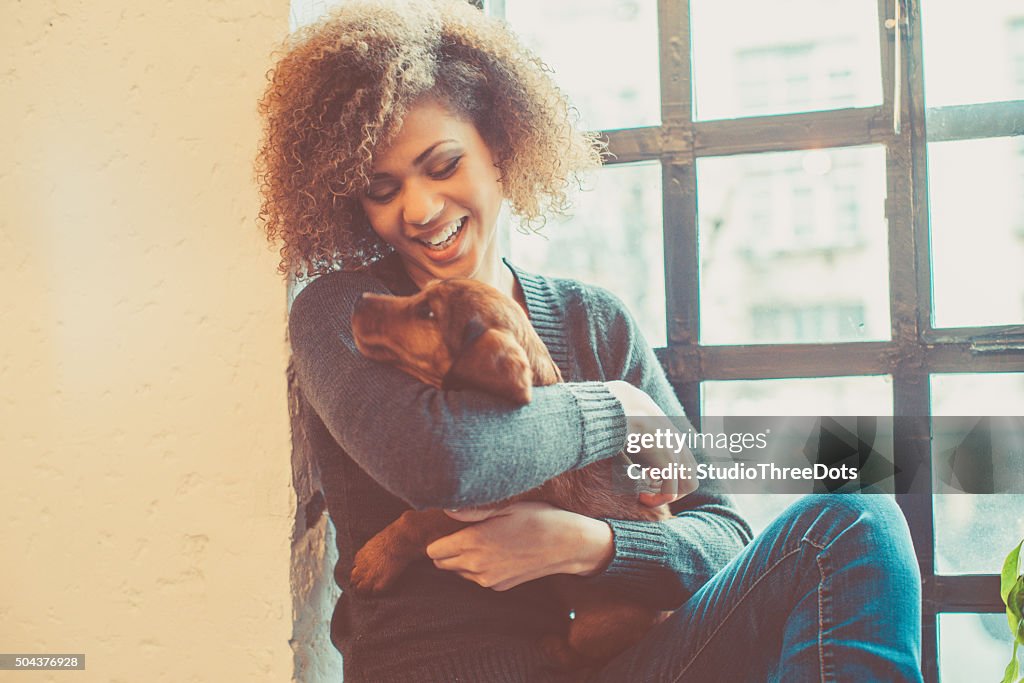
{"x": 423, "y": 155}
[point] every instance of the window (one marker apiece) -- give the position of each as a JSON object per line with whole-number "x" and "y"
{"x": 775, "y": 324}
{"x": 611, "y": 240}
{"x": 818, "y": 257}
{"x": 794, "y": 252}
{"x": 781, "y": 58}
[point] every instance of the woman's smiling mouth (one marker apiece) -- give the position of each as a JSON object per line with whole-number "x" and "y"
{"x": 444, "y": 238}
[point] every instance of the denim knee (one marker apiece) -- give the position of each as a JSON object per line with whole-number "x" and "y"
{"x": 865, "y": 528}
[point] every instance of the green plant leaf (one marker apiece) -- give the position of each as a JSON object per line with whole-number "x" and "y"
{"x": 1012, "y": 669}
{"x": 1011, "y": 569}
{"x": 1011, "y": 590}
{"x": 1015, "y": 600}
{"x": 1015, "y": 609}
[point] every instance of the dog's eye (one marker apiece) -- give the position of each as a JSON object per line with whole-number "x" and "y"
{"x": 424, "y": 312}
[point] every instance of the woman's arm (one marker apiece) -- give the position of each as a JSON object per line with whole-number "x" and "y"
{"x": 664, "y": 563}
{"x": 437, "y": 448}
{"x": 657, "y": 563}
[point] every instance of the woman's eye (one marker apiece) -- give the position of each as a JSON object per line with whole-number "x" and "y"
{"x": 381, "y": 197}
{"x": 424, "y": 312}
{"x": 446, "y": 170}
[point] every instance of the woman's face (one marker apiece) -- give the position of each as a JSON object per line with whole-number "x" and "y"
{"x": 435, "y": 195}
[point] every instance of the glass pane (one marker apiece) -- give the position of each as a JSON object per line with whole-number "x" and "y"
{"x": 604, "y": 54}
{"x": 305, "y": 12}
{"x": 837, "y": 396}
{"x": 793, "y": 247}
{"x": 973, "y": 647}
{"x": 614, "y": 240}
{"x": 988, "y": 62}
{"x": 976, "y": 208}
{"x": 755, "y": 58}
{"x": 973, "y": 533}
{"x": 814, "y": 396}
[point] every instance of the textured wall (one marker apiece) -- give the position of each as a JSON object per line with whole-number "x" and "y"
{"x": 145, "y": 497}
{"x": 314, "y": 555}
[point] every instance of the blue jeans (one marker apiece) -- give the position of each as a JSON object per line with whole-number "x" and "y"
{"x": 831, "y": 591}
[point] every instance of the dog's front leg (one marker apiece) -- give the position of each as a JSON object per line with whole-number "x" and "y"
{"x": 386, "y": 555}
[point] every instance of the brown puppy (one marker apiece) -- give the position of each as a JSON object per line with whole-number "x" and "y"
{"x": 463, "y": 333}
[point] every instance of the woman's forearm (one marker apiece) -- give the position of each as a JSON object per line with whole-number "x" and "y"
{"x": 665, "y": 562}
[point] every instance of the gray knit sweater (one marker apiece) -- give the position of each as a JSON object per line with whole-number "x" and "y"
{"x": 384, "y": 442}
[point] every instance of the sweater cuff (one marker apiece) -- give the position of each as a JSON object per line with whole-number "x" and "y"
{"x": 602, "y": 420}
{"x": 640, "y": 552}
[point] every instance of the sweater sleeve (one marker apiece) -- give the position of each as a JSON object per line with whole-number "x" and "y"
{"x": 662, "y": 564}
{"x": 430, "y": 447}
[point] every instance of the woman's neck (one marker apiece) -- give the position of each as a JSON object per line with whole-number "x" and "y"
{"x": 498, "y": 275}
{"x": 494, "y": 272}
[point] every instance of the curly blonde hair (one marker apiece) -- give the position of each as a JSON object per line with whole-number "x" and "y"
{"x": 342, "y": 88}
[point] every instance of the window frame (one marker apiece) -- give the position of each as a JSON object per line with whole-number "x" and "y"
{"x": 916, "y": 349}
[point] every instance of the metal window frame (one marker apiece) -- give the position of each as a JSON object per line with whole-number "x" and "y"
{"x": 916, "y": 349}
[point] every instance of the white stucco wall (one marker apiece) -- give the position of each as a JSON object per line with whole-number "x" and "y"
{"x": 145, "y": 497}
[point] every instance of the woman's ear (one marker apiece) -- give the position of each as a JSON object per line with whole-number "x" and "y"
{"x": 494, "y": 363}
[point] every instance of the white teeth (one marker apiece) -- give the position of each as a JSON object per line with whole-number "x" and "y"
{"x": 444, "y": 235}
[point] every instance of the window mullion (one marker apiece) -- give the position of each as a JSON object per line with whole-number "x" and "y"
{"x": 788, "y": 132}
{"x": 976, "y": 121}
{"x": 674, "y": 57}
{"x": 629, "y": 145}
{"x": 911, "y": 386}
{"x": 679, "y": 185}
{"x": 780, "y": 361}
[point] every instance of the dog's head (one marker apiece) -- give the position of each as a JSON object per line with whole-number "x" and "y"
{"x": 456, "y": 333}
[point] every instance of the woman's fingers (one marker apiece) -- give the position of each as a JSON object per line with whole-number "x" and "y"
{"x": 653, "y": 500}
{"x": 448, "y": 563}
{"x": 656, "y": 444}
{"x": 518, "y": 543}
{"x": 446, "y": 547}
{"x": 474, "y": 514}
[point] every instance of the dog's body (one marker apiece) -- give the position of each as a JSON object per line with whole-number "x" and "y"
{"x": 465, "y": 333}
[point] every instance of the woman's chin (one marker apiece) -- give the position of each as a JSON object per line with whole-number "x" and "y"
{"x": 463, "y": 258}
{"x": 429, "y": 269}
{"x": 458, "y": 262}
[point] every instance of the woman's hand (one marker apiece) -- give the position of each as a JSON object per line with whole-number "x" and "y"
{"x": 644, "y": 417}
{"x": 522, "y": 542}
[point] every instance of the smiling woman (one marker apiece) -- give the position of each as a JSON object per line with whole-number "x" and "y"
{"x": 335, "y": 78}
{"x": 435, "y": 195}
{"x": 395, "y": 131}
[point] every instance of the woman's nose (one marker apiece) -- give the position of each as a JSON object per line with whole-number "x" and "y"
{"x": 421, "y": 206}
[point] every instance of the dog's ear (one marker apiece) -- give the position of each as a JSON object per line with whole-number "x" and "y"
{"x": 495, "y": 363}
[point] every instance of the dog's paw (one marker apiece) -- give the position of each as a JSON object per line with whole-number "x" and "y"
{"x": 366, "y": 580}
{"x": 372, "y": 572}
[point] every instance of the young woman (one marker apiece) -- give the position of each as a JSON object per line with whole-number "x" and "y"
{"x": 394, "y": 134}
